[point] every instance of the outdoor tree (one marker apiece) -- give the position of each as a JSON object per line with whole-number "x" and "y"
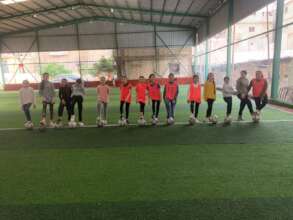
{"x": 55, "y": 69}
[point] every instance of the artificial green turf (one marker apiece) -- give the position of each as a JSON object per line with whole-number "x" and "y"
{"x": 11, "y": 115}
{"x": 243, "y": 171}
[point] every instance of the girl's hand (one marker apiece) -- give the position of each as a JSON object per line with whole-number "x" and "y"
{"x": 34, "y": 106}
{"x": 188, "y": 101}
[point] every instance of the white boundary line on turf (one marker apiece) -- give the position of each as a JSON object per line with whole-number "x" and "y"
{"x": 148, "y": 125}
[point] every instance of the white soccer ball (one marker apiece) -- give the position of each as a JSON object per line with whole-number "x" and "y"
{"x": 72, "y": 124}
{"x": 215, "y": 119}
{"x": 122, "y": 122}
{"x": 192, "y": 120}
{"x": 59, "y": 125}
{"x": 154, "y": 121}
{"x": 141, "y": 122}
{"x": 29, "y": 125}
{"x": 256, "y": 118}
{"x": 228, "y": 120}
{"x": 170, "y": 121}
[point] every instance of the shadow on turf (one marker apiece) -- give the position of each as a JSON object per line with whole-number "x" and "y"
{"x": 218, "y": 209}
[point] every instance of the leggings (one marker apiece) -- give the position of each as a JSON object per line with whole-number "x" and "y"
{"x": 141, "y": 107}
{"x": 243, "y": 102}
{"x": 26, "y": 110}
{"x": 228, "y": 100}
{"x": 102, "y": 110}
{"x": 194, "y": 106}
{"x": 261, "y": 102}
{"x": 79, "y": 100}
{"x": 210, "y": 107}
{"x": 68, "y": 106}
{"x": 44, "y": 112}
{"x": 156, "y": 108}
{"x": 127, "y": 106}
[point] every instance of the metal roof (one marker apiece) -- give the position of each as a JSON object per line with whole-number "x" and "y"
{"x": 34, "y": 15}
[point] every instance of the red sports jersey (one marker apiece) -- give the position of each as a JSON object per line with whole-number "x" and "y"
{"x": 194, "y": 94}
{"x": 257, "y": 87}
{"x": 125, "y": 93}
{"x": 171, "y": 90}
{"x": 154, "y": 91}
{"x": 141, "y": 92}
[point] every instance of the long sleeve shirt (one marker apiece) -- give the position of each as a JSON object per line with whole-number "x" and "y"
{"x": 47, "y": 91}
{"x": 78, "y": 90}
{"x": 27, "y": 96}
{"x": 228, "y": 90}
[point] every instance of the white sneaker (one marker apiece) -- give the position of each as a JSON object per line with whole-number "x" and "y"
{"x": 72, "y": 119}
{"x": 197, "y": 121}
{"x": 105, "y": 122}
{"x": 80, "y": 124}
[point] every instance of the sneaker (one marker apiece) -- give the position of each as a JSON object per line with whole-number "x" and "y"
{"x": 240, "y": 118}
{"x": 72, "y": 119}
{"x": 80, "y": 124}
{"x": 197, "y": 121}
{"x": 105, "y": 122}
{"x": 52, "y": 124}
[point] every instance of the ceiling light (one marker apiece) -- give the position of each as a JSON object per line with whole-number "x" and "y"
{"x": 9, "y": 2}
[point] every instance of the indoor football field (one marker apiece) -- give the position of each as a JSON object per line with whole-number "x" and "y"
{"x": 241, "y": 171}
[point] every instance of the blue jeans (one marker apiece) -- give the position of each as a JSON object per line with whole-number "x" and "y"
{"x": 170, "y": 107}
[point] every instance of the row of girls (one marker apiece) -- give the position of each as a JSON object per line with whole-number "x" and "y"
{"x": 69, "y": 96}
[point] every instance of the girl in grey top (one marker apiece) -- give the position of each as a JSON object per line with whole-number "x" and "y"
{"x": 228, "y": 92}
{"x": 78, "y": 93}
{"x": 47, "y": 92}
{"x": 242, "y": 87}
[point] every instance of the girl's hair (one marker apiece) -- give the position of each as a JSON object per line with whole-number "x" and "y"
{"x": 79, "y": 81}
{"x": 171, "y": 74}
{"x": 152, "y": 75}
{"x": 25, "y": 81}
{"x": 195, "y": 76}
{"x": 226, "y": 78}
{"x": 141, "y": 77}
{"x": 243, "y": 71}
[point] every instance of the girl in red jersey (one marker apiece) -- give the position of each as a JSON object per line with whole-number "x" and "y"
{"x": 194, "y": 97}
{"x": 259, "y": 87}
{"x": 154, "y": 90}
{"x": 141, "y": 89}
{"x": 171, "y": 91}
{"x": 125, "y": 99}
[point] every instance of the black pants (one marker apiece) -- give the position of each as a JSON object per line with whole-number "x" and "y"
{"x": 127, "y": 106}
{"x": 228, "y": 100}
{"x": 68, "y": 106}
{"x": 261, "y": 102}
{"x": 44, "y": 111}
{"x": 194, "y": 106}
{"x": 141, "y": 107}
{"x": 26, "y": 110}
{"x": 156, "y": 108}
{"x": 243, "y": 102}
{"x": 79, "y": 100}
{"x": 210, "y": 107}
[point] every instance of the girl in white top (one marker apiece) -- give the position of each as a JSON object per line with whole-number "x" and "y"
{"x": 27, "y": 99}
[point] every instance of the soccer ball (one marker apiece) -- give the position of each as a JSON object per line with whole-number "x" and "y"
{"x": 59, "y": 125}
{"x": 122, "y": 122}
{"x": 43, "y": 126}
{"x": 228, "y": 120}
{"x": 141, "y": 122}
{"x": 214, "y": 119}
{"x": 29, "y": 125}
{"x": 170, "y": 121}
{"x": 192, "y": 120}
{"x": 72, "y": 124}
{"x": 256, "y": 118}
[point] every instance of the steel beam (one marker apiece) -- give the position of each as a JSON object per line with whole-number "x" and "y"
{"x": 100, "y": 18}
{"x": 277, "y": 50}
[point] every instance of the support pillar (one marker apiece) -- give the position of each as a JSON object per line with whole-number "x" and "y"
{"x": 277, "y": 50}
{"x": 206, "y": 72}
{"x": 229, "y": 37}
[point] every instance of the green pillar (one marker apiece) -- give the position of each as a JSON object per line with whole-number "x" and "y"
{"x": 195, "y": 54}
{"x": 277, "y": 50}
{"x": 206, "y": 72}
{"x": 229, "y": 37}
{"x": 1, "y": 65}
